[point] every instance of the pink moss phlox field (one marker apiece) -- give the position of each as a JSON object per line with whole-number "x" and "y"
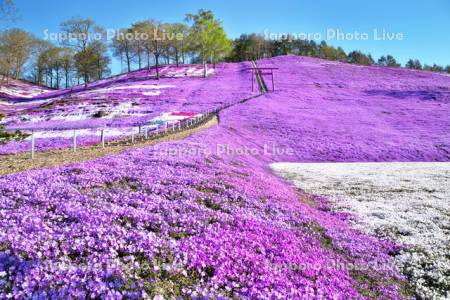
{"x": 197, "y": 218}
{"x": 332, "y": 111}
{"x": 130, "y": 224}
{"x": 20, "y": 89}
{"x": 120, "y": 102}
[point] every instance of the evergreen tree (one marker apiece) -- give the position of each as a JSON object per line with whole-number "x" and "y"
{"x": 340, "y": 54}
{"x": 357, "y": 57}
{"x": 382, "y": 61}
{"x": 387, "y": 61}
{"x": 413, "y": 64}
{"x": 391, "y": 62}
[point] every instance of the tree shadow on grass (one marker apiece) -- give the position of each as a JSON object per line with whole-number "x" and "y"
{"x": 425, "y": 95}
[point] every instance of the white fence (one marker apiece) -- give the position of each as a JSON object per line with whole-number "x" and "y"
{"x": 143, "y": 131}
{"x": 139, "y": 132}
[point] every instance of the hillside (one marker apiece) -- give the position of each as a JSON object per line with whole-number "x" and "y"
{"x": 123, "y": 102}
{"x": 342, "y": 112}
{"x": 205, "y": 216}
{"x": 13, "y": 88}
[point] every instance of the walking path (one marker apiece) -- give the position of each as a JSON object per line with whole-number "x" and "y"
{"x": 21, "y": 162}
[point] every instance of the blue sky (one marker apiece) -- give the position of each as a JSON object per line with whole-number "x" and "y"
{"x": 423, "y": 24}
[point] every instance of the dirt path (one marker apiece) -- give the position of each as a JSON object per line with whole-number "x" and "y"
{"x": 21, "y": 162}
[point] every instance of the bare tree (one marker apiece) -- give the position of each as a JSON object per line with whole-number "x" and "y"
{"x": 16, "y": 47}
{"x": 154, "y": 42}
{"x": 40, "y": 60}
{"x": 67, "y": 64}
{"x": 87, "y": 39}
{"x": 122, "y": 47}
{"x": 7, "y": 11}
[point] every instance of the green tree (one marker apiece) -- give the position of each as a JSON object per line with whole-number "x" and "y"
{"x": 221, "y": 46}
{"x": 52, "y": 62}
{"x": 387, "y": 61}
{"x": 357, "y": 57}
{"x": 7, "y": 136}
{"x": 102, "y": 60}
{"x": 433, "y": 68}
{"x": 340, "y": 54}
{"x": 327, "y": 52}
{"x": 87, "y": 40}
{"x": 86, "y": 63}
{"x": 205, "y": 34}
{"x": 391, "y": 61}
{"x": 382, "y": 61}
{"x": 248, "y": 47}
{"x": 413, "y": 64}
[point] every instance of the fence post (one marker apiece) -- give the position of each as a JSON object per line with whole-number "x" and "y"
{"x": 102, "y": 137}
{"x": 179, "y": 125}
{"x": 252, "y": 79}
{"x": 165, "y": 127}
{"x": 146, "y": 132}
{"x": 32, "y": 144}
{"x": 273, "y": 85}
{"x": 132, "y": 135}
{"x": 74, "y": 141}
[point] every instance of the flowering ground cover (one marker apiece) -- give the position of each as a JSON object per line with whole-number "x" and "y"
{"x": 19, "y": 89}
{"x": 405, "y": 202}
{"x": 205, "y": 216}
{"x": 121, "y": 102}
{"x": 173, "y": 220}
{"x": 340, "y": 112}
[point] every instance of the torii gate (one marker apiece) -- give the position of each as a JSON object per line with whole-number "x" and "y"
{"x": 258, "y": 72}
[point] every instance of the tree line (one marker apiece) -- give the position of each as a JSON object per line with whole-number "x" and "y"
{"x": 256, "y": 46}
{"x": 82, "y": 50}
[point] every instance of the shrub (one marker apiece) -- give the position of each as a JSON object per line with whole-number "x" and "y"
{"x": 100, "y": 114}
{"x": 7, "y": 136}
